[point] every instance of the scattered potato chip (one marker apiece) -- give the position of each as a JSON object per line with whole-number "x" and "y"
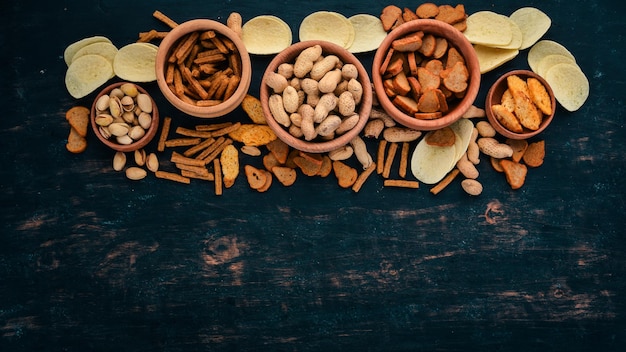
{"x": 135, "y": 62}
{"x": 463, "y": 129}
{"x": 569, "y": 84}
{"x": 71, "y": 49}
{"x": 550, "y": 60}
{"x": 329, "y": 26}
{"x": 488, "y": 28}
{"x": 544, "y": 48}
{"x": 491, "y": 58}
{"x": 106, "y": 49}
{"x": 266, "y": 34}
{"x": 533, "y": 24}
{"x": 517, "y": 36}
{"x": 430, "y": 164}
{"x": 86, "y": 74}
{"x": 369, "y": 33}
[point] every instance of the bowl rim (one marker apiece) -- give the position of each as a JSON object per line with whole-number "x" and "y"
{"x": 459, "y": 41}
{"x": 142, "y": 142}
{"x": 365, "y": 106}
{"x": 547, "y": 119}
{"x": 246, "y": 64}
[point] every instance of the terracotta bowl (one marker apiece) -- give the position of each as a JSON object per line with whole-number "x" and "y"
{"x": 454, "y": 38}
{"x": 171, "y": 40}
{"x": 494, "y": 96}
{"x": 111, "y": 142}
{"x": 363, "y": 108}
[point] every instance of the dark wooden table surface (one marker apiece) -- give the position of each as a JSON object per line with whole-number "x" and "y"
{"x": 90, "y": 261}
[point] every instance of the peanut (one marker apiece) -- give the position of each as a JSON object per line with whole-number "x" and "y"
{"x": 472, "y": 187}
{"x": 328, "y": 126}
{"x": 348, "y": 123}
{"x": 323, "y": 66}
{"x": 381, "y": 114}
{"x": 485, "y": 129}
{"x": 325, "y": 105}
{"x": 305, "y": 60}
{"x": 474, "y": 111}
{"x": 473, "y": 152}
{"x": 373, "y": 128}
{"x": 361, "y": 153}
{"x": 346, "y": 104}
{"x": 466, "y": 167}
{"x": 341, "y": 153}
{"x": 234, "y": 22}
{"x": 490, "y": 146}
{"x": 290, "y": 99}
{"x": 355, "y": 87}
{"x": 285, "y": 70}
{"x": 329, "y": 82}
{"x": 400, "y": 134}
{"x": 276, "y": 81}
{"x": 349, "y": 71}
{"x": 278, "y": 110}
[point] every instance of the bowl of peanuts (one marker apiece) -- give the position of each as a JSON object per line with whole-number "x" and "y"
{"x": 426, "y": 74}
{"x": 203, "y": 68}
{"x": 124, "y": 117}
{"x": 520, "y": 104}
{"x": 316, "y": 96}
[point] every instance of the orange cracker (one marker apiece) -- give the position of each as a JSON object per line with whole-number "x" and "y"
{"x": 404, "y": 159}
{"x": 163, "y": 18}
{"x": 178, "y": 158}
{"x": 401, "y": 183}
{"x": 182, "y": 142}
{"x": 165, "y": 130}
{"x": 217, "y": 151}
{"x": 444, "y": 182}
{"x": 198, "y": 147}
{"x": 391, "y": 154}
{"x": 534, "y": 154}
{"x": 363, "y": 176}
{"x": 172, "y": 176}
{"x": 217, "y": 173}
{"x": 191, "y": 174}
{"x": 380, "y": 156}
{"x": 213, "y": 126}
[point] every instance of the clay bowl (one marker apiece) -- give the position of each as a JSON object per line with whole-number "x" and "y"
{"x": 494, "y": 96}
{"x": 167, "y": 46}
{"x": 363, "y": 108}
{"x": 111, "y": 141}
{"x": 454, "y": 38}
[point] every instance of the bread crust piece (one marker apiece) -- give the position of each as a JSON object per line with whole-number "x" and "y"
{"x": 534, "y": 154}
{"x": 507, "y": 118}
{"x": 252, "y": 107}
{"x": 526, "y": 111}
{"x": 389, "y": 16}
{"x": 78, "y": 118}
{"x": 515, "y": 173}
{"x": 539, "y": 95}
{"x": 427, "y": 10}
{"x": 75, "y": 142}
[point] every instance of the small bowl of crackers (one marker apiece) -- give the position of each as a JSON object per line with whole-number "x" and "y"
{"x": 426, "y": 74}
{"x": 520, "y": 104}
{"x": 203, "y": 68}
{"x": 316, "y": 96}
{"x": 124, "y": 117}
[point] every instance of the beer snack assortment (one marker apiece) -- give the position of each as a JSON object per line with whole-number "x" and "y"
{"x": 319, "y": 114}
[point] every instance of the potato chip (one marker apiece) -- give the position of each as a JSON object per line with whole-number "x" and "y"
{"x": 490, "y": 58}
{"x": 550, "y": 60}
{"x": 71, "y": 49}
{"x": 266, "y": 34}
{"x": 517, "y": 36}
{"x": 328, "y": 26}
{"x": 135, "y": 62}
{"x": 369, "y": 33}
{"x": 106, "y": 49}
{"x": 86, "y": 74}
{"x": 463, "y": 129}
{"x": 569, "y": 84}
{"x": 533, "y": 24}
{"x": 488, "y": 28}
{"x": 544, "y": 48}
{"x": 430, "y": 164}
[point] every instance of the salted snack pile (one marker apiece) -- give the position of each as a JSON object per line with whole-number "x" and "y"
{"x": 316, "y": 97}
{"x": 436, "y": 79}
{"x": 523, "y": 104}
{"x": 124, "y": 114}
{"x": 203, "y": 68}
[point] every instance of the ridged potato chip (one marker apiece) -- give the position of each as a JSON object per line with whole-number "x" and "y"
{"x": 135, "y": 62}
{"x": 86, "y": 74}
{"x": 328, "y": 26}
{"x": 533, "y": 23}
{"x": 369, "y": 33}
{"x": 266, "y": 34}
{"x": 544, "y": 48}
{"x": 490, "y": 58}
{"x": 71, "y": 49}
{"x": 488, "y": 28}
{"x": 106, "y": 49}
{"x": 569, "y": 84}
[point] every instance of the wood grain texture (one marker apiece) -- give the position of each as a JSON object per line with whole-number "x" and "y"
{"x": 92, "y": 261}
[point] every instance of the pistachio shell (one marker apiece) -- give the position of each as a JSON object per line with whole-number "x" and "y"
{"x": 145, "y": 120}
{"x": 104, "y": 131}
{"x": 152, "y": 162}
{"x": 104, "y": 120}
{"x": 136, "y": 132}
{"x": 115, "y": 107}
{"x": 102, "y": 103}
{"x": 144, "y": 102}
{"x": 119, "y": 161}
{"x": 128, "y": 117}
{"x": 129, "y": 89}
{"x": 128, "y": 103}
{"x": 136, "y": 173}
{"x": 119, "y": 129}
{"x": 117, "y": 93}
{"x": 140, "y": 157}
{"x": 125, "y": 140}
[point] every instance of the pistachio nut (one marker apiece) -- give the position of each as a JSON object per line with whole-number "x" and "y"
{"x": 140, "y": 157}
{"x": 102, "y": 103}
{"x": 129, "y": 89}
{"x": 119, "y": 161}
{"x": 152, "y": 162}
{"x": 136, "y": 132}
{"x": 104, "y": 120}
{"x": 145, "y": 120}
{"x": 124, "y": 140}
{"x": 104, "y": 131}
{"x": 115, "y": 107}
{"x": 135, "y": 173}
{"x": 119, "y": 129}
